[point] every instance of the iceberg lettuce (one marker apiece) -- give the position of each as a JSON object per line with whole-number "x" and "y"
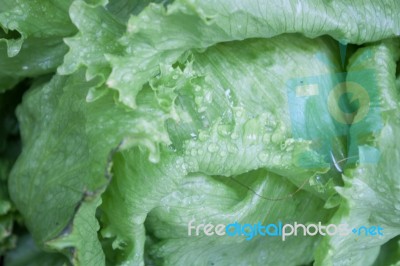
{"x": 138, "y": 117}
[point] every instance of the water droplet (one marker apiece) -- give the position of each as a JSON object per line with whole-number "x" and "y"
{"x": 263, "y": 156}
{"x": 239, "y": 113}
{"x": 203, "y": 136}
{"x": 204, "y": 120}
{"x": 283, "y": 145}
{"x": 232, "y": 148}
{"x": 229, "y": 96}
{"x": 276, "y": 160}
{"x": 127, "y": 77}
{"x": 234, "y": 136}
{"x": 190, "y": 163}
{"x": 208, "y": 97}
{"x": 266, "y": 138}
{"x": 193, "y": 135}
{"x": 251, "y": 129}
{"x": 276, "y": 137}
{"x": 198, "y": 100}
{"x": 224, "y": 130}
{"x": 187, "y": 201}
{"x": 212, "y": 147}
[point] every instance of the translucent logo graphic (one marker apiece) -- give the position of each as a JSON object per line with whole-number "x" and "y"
{"x": 333, "y": 109}
{"x": 281, "y": 230}
{"x": 356, "y": 93}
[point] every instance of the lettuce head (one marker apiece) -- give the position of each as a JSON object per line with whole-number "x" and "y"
{"x": 125, "y": 122}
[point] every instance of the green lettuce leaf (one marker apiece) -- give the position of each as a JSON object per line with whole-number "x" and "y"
{"x": 162, "y": 112}
{"x": 166, "y": 197}
{"x": 99, "y": 28}
{"x": 389, "y": 253}
{"x": 209, "y": 22}
{"x": 31, "y": 35}
{"x": 28, "y": 254}
{"x": 70, "y": 136}
{"x": 38, "y": 56}
{"x": 33, "y": 19}
{"x": 371, "y": 190}
{"x": 234, "y": 124}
